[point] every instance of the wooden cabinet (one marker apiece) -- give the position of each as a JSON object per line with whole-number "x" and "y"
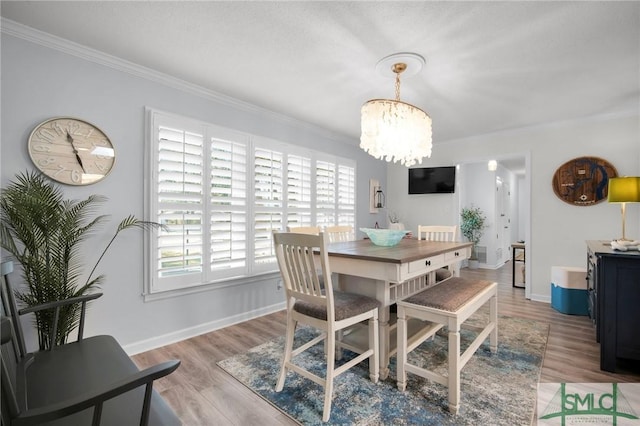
{"x": 614, "y": 303}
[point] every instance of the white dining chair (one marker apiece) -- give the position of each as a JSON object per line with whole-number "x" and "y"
{"x": 340, "y": 233}
{"x": 299, "y": 256}
{"x": 439, "y": 233}
{"x": 312, "y": 230}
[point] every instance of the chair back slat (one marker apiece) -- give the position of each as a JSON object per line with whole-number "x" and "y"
{"x": 304, "y": 269}
{"x": 340, "y": 233}
{"x": 305, "y": 275}
{"x": 311, "y": 230}
{"x": 437, "y": 233}
{"x": 11, "y": 308}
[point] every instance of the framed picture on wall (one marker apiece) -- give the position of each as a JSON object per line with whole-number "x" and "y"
{"x": 583, "y": 181}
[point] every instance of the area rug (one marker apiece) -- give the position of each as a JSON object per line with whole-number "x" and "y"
{"x": 496, "y": 389}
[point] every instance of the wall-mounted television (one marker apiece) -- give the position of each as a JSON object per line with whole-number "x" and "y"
{"x": 432, "y": 180}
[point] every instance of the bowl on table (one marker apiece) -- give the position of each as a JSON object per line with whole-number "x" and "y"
{"x": 385, "y": 237}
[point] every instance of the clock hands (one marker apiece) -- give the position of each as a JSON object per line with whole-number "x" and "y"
{"x": 75, "y": 151}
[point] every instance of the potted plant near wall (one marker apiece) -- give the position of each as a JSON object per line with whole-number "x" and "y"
{"x": 44, "y": 233}
{"x": 472, "y": 227}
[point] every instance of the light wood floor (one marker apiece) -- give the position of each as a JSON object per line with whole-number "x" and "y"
{"x": 203, "y": 394}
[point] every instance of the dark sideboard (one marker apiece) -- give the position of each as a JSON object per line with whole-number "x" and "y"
{"x": 614, "y": 302}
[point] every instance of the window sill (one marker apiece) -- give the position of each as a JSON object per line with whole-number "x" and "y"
{"x": 232, "y": 282}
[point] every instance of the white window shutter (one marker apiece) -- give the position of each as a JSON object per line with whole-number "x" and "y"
{"x": 268, "y": 205}
{"x": 298, "y": 191}
{"x": 228, "y": 216}
{"x": 221, "y": 193}
{"x": 179, "y": 191}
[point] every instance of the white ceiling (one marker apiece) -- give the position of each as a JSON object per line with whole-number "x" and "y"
{"x": 491, "y": 66}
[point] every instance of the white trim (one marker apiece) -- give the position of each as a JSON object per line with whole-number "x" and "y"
{"x": 543, "y": 126}
{"x": 214, "y": 285}
{"x": 187, "y": 333}
{"x": 51, "y": 41}
{"x": 541, "y": 298}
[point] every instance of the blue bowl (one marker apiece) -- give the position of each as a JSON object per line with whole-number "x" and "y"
{"x": 384, "y": 237}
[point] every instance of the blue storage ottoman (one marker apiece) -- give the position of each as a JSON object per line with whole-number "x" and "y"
{"x": 569, "y": 290}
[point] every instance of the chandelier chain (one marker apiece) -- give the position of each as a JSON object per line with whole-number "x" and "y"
{"x": 397, "y": 86}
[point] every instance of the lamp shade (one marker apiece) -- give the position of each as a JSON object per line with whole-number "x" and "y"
{"x": 395, "y": 131}
{"x": 624, "y": 189}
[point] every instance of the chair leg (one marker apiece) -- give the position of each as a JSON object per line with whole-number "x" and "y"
{"x": 374, "y": 343}
{"x": 288, "y": 348}
{"x": 328, "y": 385}
{"x": 401, "y": 354}
{"x": 493, "y": 313}
{"x": 339, "y": 352}
{"x": 454, "y": 367}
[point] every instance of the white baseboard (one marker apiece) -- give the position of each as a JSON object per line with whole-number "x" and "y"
{"x": 177, "y": 336}
{"x": 541, "y": 298}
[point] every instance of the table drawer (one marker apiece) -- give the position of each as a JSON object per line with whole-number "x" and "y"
{"x": 426, "y": 265}
{"x": 457, "y": 255}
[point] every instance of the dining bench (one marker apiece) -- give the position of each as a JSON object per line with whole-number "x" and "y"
{"x": 447, "y": 304}
{"x": 91, "y": 381}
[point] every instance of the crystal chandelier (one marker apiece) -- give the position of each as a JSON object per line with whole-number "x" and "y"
{"x": 392, "y": 129}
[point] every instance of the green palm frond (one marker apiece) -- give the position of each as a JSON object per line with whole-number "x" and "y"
{"x": 44, "y": 233}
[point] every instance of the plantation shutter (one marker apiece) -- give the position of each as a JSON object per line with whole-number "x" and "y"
{"x": 325, "y": 193}
{"x": 179, "y": 202}
{"x": 346, "y": 196}
{"x": 268, "y": 205}
{"x": 298, "y": 191}
{"x": 221, "y": 193}
{"x": 228, "y": 197}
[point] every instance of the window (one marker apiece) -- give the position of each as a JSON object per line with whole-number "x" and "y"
{"x": 221, "y": 193}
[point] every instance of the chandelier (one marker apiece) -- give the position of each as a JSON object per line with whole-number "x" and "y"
{"x": 392, "y": 129}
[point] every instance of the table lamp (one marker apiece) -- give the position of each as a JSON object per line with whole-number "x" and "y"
{"x": 624, "y": 190}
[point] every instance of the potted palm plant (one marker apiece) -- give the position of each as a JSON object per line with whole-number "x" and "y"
{"x": 472, "y": 227}
{"x": 44, "y": 232}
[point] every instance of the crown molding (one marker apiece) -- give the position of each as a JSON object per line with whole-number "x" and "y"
{"x": 51, "y": 41}
{"x": 551, "y": 125}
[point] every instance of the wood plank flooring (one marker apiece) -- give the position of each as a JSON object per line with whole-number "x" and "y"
{"x": 203, "y": 394}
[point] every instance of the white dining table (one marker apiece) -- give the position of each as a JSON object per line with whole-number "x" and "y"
{"x": 390, "y": 274}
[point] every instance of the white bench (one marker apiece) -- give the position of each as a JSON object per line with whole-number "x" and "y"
{"x": 449, "y": 304}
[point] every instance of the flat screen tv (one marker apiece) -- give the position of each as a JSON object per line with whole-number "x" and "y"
{"x": 432, "y": 180}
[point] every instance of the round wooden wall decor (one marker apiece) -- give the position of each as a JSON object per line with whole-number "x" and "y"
{"x": 583, "y": 181}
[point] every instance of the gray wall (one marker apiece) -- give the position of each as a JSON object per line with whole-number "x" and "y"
{"x": 40, "y": 82}
{"x": 557, "y": 230}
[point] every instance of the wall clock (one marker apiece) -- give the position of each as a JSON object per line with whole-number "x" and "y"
{"x": 583, "y": 181}
{"x": 71, "y": 151}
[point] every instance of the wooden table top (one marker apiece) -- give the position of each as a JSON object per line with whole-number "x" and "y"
{"x": 407, "y": 250}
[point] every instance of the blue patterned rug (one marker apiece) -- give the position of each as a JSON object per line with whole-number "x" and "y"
{"x": 496, "y": 389}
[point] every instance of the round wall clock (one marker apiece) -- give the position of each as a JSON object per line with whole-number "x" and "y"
{"x": 71, "y": 151}
{"x": 583, "y": 181}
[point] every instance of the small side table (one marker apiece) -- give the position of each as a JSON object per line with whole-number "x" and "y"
{"x": 514, "y": 248}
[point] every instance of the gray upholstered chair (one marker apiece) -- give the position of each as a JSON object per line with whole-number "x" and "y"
{"x": 299, "y": 256}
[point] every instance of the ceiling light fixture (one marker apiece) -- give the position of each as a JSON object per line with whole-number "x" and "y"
{"x": 392, "y": 129}
{"x": 492, "y": 165}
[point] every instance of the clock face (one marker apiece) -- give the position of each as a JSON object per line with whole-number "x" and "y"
{"x": 71, "y": 151}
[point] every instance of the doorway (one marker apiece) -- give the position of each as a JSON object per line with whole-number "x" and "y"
{"x": 504, "y": 195}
